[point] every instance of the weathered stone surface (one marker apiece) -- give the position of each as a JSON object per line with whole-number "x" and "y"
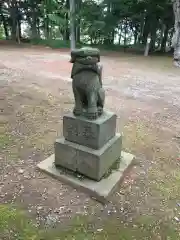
{"x": 85, "y": 52}
{"x": 87, "y": 86}
{"x": 100, "y": 190}
{"x": 91, "y": 163}
{"x": 93, "y": 134}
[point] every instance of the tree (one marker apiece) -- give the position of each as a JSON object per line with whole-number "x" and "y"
{"x": 109, "y": 22}
{"x": 72, "y": 24}
{"x": 4, "y": 18}
{"x": 176, "y": 36}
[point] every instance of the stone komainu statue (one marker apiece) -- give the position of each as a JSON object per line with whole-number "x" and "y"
{"x": 87, "y": 83}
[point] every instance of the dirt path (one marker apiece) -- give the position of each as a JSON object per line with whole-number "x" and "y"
{"x": 36, "y": 92}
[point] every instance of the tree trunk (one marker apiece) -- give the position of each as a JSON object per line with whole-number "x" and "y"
{"x": 91, "y": 40}
{"x": 38, "y": 29}
{"x": 153, "y": 40}
{"x": 18, "y": 39}
{"x": 66, "y": 32}
{"x": 120, "y": 34}
{"x": 78, "y": 33}
{"x": 108, "y": 37}
{"x": 170, "y": 37}
{"x": 112, "y": 36}
{"x": 72, "y": 24}
{"x": 163, "y": 27}
{"x": 78, "y": 24}
{"x": 153, "y": 28}
{"x": 164, "y": 39}
{"x": 34, "y": 25}
{"x": 135, "y": 36}
{"x": 140, "y": 37}
{"x": 147, "y": 47}
{"x": 50, "y": 31}
{"x": 46, "y": 23}
{"x": 46, "y": 27}
{"x": 125, "y": 35}
{"x": 13, "y": 20}
{"x": 5, "y": 26}
{"x": 146, "y": 31}
{"x": 176, "y": 36}
{"x": 120, "y": 38}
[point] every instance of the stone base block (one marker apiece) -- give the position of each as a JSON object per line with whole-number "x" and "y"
{"x": 99, "y": 190}
{"x": 93, "y": 134}
{"x": 87, "y": 161}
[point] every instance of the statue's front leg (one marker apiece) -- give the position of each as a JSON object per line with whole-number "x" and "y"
{"x": 78, "y": 108}
{"x": 92, "y": 111}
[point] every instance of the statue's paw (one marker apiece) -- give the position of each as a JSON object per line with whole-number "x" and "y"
{"x": 100, "y": 111}
{"x": 77, "y": 111}
{"x": 92, "y": 116}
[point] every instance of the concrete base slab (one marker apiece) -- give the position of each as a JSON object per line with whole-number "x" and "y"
{"x": 98, "y": 190}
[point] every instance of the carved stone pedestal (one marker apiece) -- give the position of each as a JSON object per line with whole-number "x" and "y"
{"x": 94, "y": 134}
{"x": 88, "y": 147}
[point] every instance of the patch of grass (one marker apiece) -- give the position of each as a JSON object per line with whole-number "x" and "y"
{"x": 5, "y": 139}
{"x": 143, "y": 138}
{"x": 15, "y": 225}
{"x": 52, "y": 43}
{"x": 140, "y": 138}
{"x": 166, "y": 182}
{"x": 8, "y": 145}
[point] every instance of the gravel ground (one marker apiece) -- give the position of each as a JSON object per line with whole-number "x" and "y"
{"x": 35, "y": 93}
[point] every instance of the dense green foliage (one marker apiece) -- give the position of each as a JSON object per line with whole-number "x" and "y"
{"x": 108, "y": 22}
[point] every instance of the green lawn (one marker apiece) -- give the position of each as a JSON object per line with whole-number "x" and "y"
{"x": 15, "y": 225}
